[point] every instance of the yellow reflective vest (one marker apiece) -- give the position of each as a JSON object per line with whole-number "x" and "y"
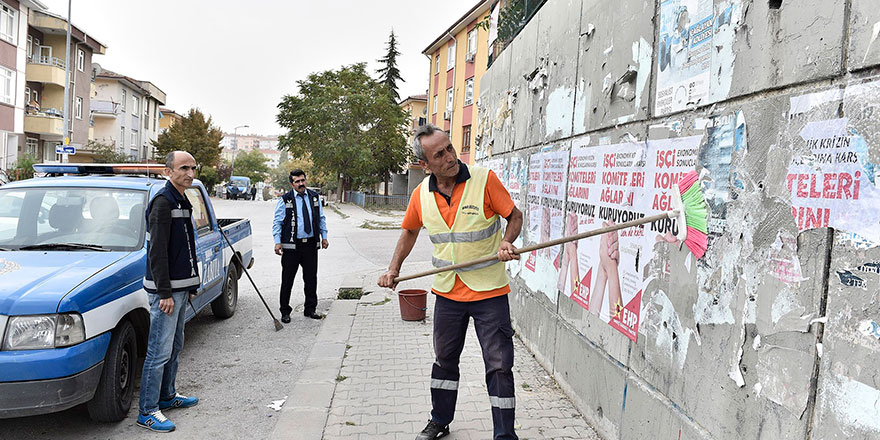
{"x": 471, "y": 236}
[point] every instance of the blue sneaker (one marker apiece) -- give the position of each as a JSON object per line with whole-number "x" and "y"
{"x": 155, "y": 421}
{"x": 178, "y": 401}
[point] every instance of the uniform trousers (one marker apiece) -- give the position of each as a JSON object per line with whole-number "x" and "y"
{"x": 306, "y": 256}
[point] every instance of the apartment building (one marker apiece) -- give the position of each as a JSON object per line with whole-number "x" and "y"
{"x": 417, "y": 108}
{"x": 232, "y": 144}
{"x": 14, "y": 47}
{"x": 126, "y": 113}
{"x": 459, "y": 58}
{"x": 167, "y": 118}
{"x": 44, "y": 87}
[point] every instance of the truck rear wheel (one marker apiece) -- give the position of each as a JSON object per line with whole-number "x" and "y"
{"x": 114, "y": 393}
{"x": 224, "y": 305}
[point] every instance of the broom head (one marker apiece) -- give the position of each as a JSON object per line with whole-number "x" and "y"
{"x": 693, "y": 214}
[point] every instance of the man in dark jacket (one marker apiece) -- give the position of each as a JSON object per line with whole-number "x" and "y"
{"x": 172, "y": 275}
{"x": 298, "y": 224}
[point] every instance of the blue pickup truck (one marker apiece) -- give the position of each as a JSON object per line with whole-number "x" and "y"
{"x": 74, "y": 316}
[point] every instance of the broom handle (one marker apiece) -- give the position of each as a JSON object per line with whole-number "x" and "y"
{"x": 534, "y": 247}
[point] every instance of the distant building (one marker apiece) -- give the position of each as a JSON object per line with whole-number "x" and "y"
{"x": 459, "y": 58}
{"x": 126, "y": 113}
{"x": 273, "y": 157}
{"x": 167, "y": 118}
{"x": 417, "y": 109}
{"x": 44, "y": 86}
{"x": 233, "y": 144}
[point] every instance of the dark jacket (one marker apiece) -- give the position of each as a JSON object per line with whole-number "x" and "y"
{"x": 172, "y": 265}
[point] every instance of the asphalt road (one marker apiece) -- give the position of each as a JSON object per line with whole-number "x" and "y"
{"x": 240, "y": 365}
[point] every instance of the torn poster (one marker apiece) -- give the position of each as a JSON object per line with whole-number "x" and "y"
{"x": 870, "y": 328}
{"x": 831, "y": 187}
{"x": 547, "y": 175}
{"x": 784, "y": 263}
{"x": 849, "y": 279}
{"x": 685, "y": 55}
{"x": 496, "y": 166}
{"x": 715, "y": 157}
{"x": 615, "y": 184}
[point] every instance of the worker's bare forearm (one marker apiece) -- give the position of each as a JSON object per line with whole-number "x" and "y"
{"x": 514, "y": 225}
{"x": 404, "y": 246}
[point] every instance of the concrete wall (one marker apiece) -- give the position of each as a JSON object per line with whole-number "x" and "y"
{"x": 775, "y": 332}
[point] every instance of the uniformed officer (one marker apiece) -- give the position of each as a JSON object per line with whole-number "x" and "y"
{"x": 299, "y": 221}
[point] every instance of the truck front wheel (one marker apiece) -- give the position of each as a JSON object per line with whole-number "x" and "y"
{"x": 224, "y": 305}
{"x": 113, "y": 396}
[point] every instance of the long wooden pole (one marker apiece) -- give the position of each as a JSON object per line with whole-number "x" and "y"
{"x": 534, "y": 247}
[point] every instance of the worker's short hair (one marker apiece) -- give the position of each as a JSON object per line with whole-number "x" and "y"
{"x": 424, "y": 130}
{"x": 296, "y": 172}
{"x": 169, "y": 160}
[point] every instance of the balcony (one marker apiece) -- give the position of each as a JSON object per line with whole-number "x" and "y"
{"x": 46, "y": 70}
{"x": 104, "y": 109}
{"x": 48, "y": 123}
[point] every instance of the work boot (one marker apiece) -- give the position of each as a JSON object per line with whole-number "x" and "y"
{"x": 285, "y": 318}
{"x": 314, "y": 315}
{"x": 433, "y": 431}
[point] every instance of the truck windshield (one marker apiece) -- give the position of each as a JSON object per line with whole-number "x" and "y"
{"x": 71, "y": 219}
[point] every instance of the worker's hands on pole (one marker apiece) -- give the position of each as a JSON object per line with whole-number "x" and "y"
{"x": 278, "y": 250}
{"x": 507, "y": 251}
{"x": 166, "y": 305}
{"x": 387, "y": 279}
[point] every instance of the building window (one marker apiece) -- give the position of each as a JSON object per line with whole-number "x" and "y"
{"x": 466, "y": 140}
{"x": 8, "y": 25}
{"x": 450, "y": 56}
{"x": 469, "y": 91}
{"x": 30, "y": 47}
{"x": 134, "y": 139}
{"x": 121, "y": 144}
{"x": 449, "y": 99}
{"x": 134, "y": 105}
{"x": 7, "y": 85}
{"x": 472, "y": 42}
{"x": 435, "y": 104}
{"x": 437, "y": 64}
{"x": 33, "y": 145}
{"x": 78, "y": 108}
{"x": 123, "y": 102}
{"x": 80, "y": 60}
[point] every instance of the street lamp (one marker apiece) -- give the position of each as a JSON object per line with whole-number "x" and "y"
{"x": 235, "y": 148}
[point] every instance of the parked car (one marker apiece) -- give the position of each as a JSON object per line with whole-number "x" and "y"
{"x": 239, "y": 187}
{"x": 74, "y": 316}
{"x": 320, "y": 194}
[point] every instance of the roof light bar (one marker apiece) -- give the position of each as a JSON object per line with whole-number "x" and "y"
{"x": 102, "y": 168}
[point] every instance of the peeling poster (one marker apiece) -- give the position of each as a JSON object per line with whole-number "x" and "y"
{"x": 784, "y": 263}
{"x": 830, "y": 187}
{"x": 685, "y": 55}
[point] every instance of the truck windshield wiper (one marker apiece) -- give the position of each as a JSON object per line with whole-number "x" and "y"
{"x": 92, "y": 247}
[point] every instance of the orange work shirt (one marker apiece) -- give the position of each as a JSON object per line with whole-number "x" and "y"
{"x": 496, "y": 201}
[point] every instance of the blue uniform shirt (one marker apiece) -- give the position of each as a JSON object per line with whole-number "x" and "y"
{"x": 300, "y": 229}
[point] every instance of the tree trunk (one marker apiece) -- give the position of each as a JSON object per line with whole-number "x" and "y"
{"x": 340, "y": 190}
{"x": 387, "y": 182}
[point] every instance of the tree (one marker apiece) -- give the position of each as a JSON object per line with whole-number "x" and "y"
{"x": 280, "y": 177}
{"x": 104, "y": 153}
{"x": 390, "y": 74}
{"x": 252, "y": 164}
{"x": 195, "y": 134}
{"x": 209, "y": 177}
{"x": 347, "y": 124}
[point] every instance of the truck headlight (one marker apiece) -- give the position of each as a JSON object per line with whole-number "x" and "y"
{"x": 34, "y": 332}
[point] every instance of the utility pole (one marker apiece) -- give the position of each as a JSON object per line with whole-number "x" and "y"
{"x": 235, "y": 148}
{"x": 66, "y": 125}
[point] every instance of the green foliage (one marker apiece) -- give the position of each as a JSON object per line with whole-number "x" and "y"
{"x": 24, "y": 168}
{"x": 251, "y": 164}
{"x": 195, "y": 134}
{"x": 224, "y": 170}
{"x": 209, "y": 177}
{"x": 389, "y": 75}
{"x": 513, "y": 16}
{"x": 105, "y": 153}
{"x": 347, "y": 124}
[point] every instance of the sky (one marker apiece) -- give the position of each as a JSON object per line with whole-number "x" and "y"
{"x": 235, "y": 60}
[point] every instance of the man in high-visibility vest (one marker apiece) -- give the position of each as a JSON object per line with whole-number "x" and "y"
{"x": 461, "y": 208}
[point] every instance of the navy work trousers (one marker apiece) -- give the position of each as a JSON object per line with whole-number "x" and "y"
{"x": 492, "y": 323}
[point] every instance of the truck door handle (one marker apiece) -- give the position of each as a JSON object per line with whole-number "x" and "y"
{"x": 217, "y": 248}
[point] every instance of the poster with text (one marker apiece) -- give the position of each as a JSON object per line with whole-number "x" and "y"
{"x": 685, "y": 53}
{"x": 533, "y": 201}
{"x": 613, "y": 184}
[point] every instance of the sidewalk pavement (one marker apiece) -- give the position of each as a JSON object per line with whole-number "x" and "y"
{"x": 369, "y": 372}
{"x": 380, "y": 218}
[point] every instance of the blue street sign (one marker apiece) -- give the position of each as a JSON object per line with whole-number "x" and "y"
{"x": 65, "y": 149}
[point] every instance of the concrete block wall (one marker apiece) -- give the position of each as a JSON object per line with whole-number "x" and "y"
{"x": 775, "y": 333}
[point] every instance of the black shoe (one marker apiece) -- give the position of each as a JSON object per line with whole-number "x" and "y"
{"x": 433, "y": 431}
{"x": 314, "y": 315}
{"x": 285, "y": 318}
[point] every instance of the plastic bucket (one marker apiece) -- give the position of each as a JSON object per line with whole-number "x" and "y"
{"x": 413, "y": 304}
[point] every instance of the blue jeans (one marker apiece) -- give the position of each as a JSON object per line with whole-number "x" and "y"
{"x": 163, "y": 349}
